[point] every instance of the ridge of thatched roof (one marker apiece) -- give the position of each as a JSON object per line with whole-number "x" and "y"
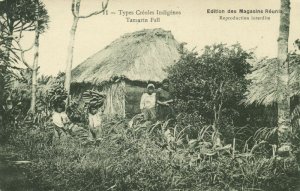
{"x": 139, "y": 56}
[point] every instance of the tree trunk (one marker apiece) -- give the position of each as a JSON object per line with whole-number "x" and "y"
{"x": 216, "y": 135}
{"x": 35, "y": 64}
{"x": 6, "y": 58}
{"x": 2, "y": 85}
{"x": 75, "y": 11}
{"x": 70, "y": 55}
{"x": 284, "y": 105}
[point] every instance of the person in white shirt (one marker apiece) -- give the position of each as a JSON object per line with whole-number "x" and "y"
{"x": 148, "y": 103}
{"x": 95, "y": 121}
{"x": 60, "y": 120}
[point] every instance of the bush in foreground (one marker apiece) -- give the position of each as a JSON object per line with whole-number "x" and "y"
{"x": 146, "y": 159}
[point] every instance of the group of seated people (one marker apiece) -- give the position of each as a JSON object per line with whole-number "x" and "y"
{"x": 154, "y": 105}
{"x": 62, "y": 123}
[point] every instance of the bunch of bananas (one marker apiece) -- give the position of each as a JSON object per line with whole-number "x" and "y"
{"x": 93, "y": 98}
{"x": 57, "y": 94}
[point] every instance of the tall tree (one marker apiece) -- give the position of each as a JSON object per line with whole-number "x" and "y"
{"x": 75, "y": 11}
{"x": 35, "y": 59}
{"x": 16, "y": 17}
{"x": 284, "y": 105}
{"x": 276, "y": 80}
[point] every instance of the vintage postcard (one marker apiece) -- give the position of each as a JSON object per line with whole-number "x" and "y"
{"x": 149, "y": 95}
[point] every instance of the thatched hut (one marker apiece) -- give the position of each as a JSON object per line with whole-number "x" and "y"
{"x": 123, "y": 68}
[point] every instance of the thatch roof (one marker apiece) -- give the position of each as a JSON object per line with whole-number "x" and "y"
{"x": 139, "y": 56}
{"x": 271, "y": 84}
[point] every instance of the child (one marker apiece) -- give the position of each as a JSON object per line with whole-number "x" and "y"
{"x": 60, "y": 119}
{"x": 148, "y": 102}
{"x": 95, "y": 120}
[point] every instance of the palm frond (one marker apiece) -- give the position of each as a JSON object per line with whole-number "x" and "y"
{"x": 268, "y": 83}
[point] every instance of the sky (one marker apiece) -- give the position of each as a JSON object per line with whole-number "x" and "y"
{"x": 194, "y": 26}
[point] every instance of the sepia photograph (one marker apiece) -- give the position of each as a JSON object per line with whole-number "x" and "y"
{"x": 161, "y": 95}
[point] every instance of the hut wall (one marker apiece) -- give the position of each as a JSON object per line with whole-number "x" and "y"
{"x": 133, "y": 98}
{"x": 115, "y": 99}
{"x": 123, "y": 98}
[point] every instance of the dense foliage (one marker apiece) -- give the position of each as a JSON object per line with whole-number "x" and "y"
{"x": 18, "y": 15}
{"x": 210, "y": 82}
{"x": 156, "y": 157}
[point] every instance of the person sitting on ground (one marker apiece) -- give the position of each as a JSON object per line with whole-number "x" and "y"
{"x": 95, "y": 120}
{"x": 60, "y": 120}
{"x": 165, "y": 110}
{"x": 148, "y": 103}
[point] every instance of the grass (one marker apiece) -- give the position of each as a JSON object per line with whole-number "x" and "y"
{"x": 145, "y": 158}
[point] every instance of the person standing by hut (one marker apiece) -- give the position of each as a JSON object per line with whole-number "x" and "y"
{"x": 148, "y": 103}
{"x": 165, "y": 110}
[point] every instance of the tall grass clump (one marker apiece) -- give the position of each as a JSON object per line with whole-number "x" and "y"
{"x": 161, "y": 156}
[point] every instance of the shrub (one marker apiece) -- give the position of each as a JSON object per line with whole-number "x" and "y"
{"x": 212, "y": 81}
